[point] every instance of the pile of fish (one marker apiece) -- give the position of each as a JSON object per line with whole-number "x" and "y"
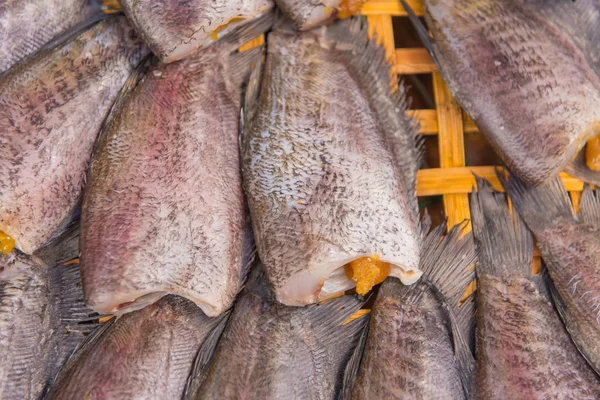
{"x": 180, "y": 218}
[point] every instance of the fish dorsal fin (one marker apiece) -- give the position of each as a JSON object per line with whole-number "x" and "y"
{"x": 204, "y": 357}
{"x": 539, "y": 206}
{"x": 367, "y": 63}
{"x": 353, "y": 366}
{"x": 504, "y": 243}
{"x": 462, "y": 352}
{"x": 589, "y": 207}
{"x": 423, "y": 33}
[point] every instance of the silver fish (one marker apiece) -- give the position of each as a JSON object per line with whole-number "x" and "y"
{"x": 41, "y": 308}
{"x": 523, "y": 349}
{"x": 272, "y": 351}
{"x": 175, "y": 29}
{"x": 164, "y": 210}
{"x": 51, "y": 109}
{"x": 416, "y": 346}
{"x": 570, "y": 246}
{"x": 329, "y": 163}
{"x": 145, "y": 354}
{"x": 27, "y": 25}
{"x": 527, "y": 72}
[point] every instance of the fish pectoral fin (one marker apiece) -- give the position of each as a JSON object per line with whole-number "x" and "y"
{"x": 203, "y": 358}
{"x": 353, "y": 366}
{"x": 423, "y": 32}
{"x": 61, "y": 249}
{"x": 589, "y": 206}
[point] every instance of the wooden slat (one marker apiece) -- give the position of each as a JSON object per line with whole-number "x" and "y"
{"x": 451, "y": 147}
{"x": 413, "y": 61}
{"x": 390, "y": 7}
{"x": 429, "y": 124}
{"x": 442, "y": 181}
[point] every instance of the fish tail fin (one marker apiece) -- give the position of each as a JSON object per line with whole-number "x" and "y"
{"x": 370, "y": 67}
{"x": 61, "y": 249}
{"x": 248, "y": 31}
{"x": 203, "y": 358}
{"x": 353, "y": 366}
{"x": 539, "y": 206}
{"x": 504, "y": 243}
{"x": 589, "y": 206}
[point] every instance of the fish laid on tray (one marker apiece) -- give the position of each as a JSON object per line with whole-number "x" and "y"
{"x": 527, "y": 72}
{"x": 145, "y": 354}
{"x": 164, "y": 210}
{"x": 27, "y": 25}
{"x": 329, "y": 162}
{"x": 175, "y": 29}
{"x": 272, "y": 351}
{"x": 51, "y": 109}
{"x": 307, "y": 14}
{"x": 416, "y": 346}
{"x": 41, "y": 307}
{"x": 570, "y": 246}
{"x": 523, "y": 349}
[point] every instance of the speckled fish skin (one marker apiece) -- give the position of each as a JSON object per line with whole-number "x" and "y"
{"x": 164, "y": 210}
{"x": 329, "y": 162}
{"x": 39, "y": 306}
{"x": 307, "y": 14}
{"x": 520, "y": 71}
{"x": 27, "y": 25}
{"x": 145, "y": 354}
{"x": 409, "y": 352}
{"x": 523, "y": 349}
{"x": 570, "y": 246}
{"x": 174, "y": 29}
{"x": 270, "y": 351}
{"x": 51, "y": 109}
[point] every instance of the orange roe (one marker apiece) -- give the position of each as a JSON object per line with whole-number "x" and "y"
{"x": 7, "y": 244}
{"x": 592, "y": 154}
{"x": 348, "y": 8}
{"x": 367, "y": 272}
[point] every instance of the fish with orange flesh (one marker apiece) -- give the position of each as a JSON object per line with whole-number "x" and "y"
{"x": 270, "y": 351}
{"x": 147, "y": 354}
{"x": 528, "y": 74}
{"x": 327, "y": 186}
{"x": 523, "y": 349}
{"x": 417, "y": 342}
{"x": 164, "y": 210}
{"x": 7, "y": 244}
{"x": 27, "y": 25}
{"x": 367, "y": 272}
{"x": 175, "y": 29}
{"x": 52, "y": 107}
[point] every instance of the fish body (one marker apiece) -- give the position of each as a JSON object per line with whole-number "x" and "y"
{"x": 145, "y": 354}
{"x": 308, "y": 14}
{"x": 27, "y": 25}
{"x": 410, "y": 351}
{"x": 329, "y": 161}
{"x": 570, "y": 246}
{"x": 272, "y": 351}
{"x": 39, "y": 309}
{"x": 175, "y": 29}
{"x": 526, "y": 72}
{"x": 51, "y": 109}
{"x": 523, "y": 349}
{"x": 164, "y": 210}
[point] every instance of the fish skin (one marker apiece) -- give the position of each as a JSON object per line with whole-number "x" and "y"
{"x": 39, "y": 306}
{"x": 308, "y": 14}
{"x": 145, "y": 354}
{"x": 51, "y": 109}
{"x": 410, "y": 350}
{"x": 523, "y": 349}
{"x": 524, "y": 79}
{"x": 329, "y": 173}
{"x": 27, "y": 25}
{"x": 164, "y": 210}
{"x": 174, "y": 29}
{"x": 272, "y": 351}
{"x": 570, "y": 247}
